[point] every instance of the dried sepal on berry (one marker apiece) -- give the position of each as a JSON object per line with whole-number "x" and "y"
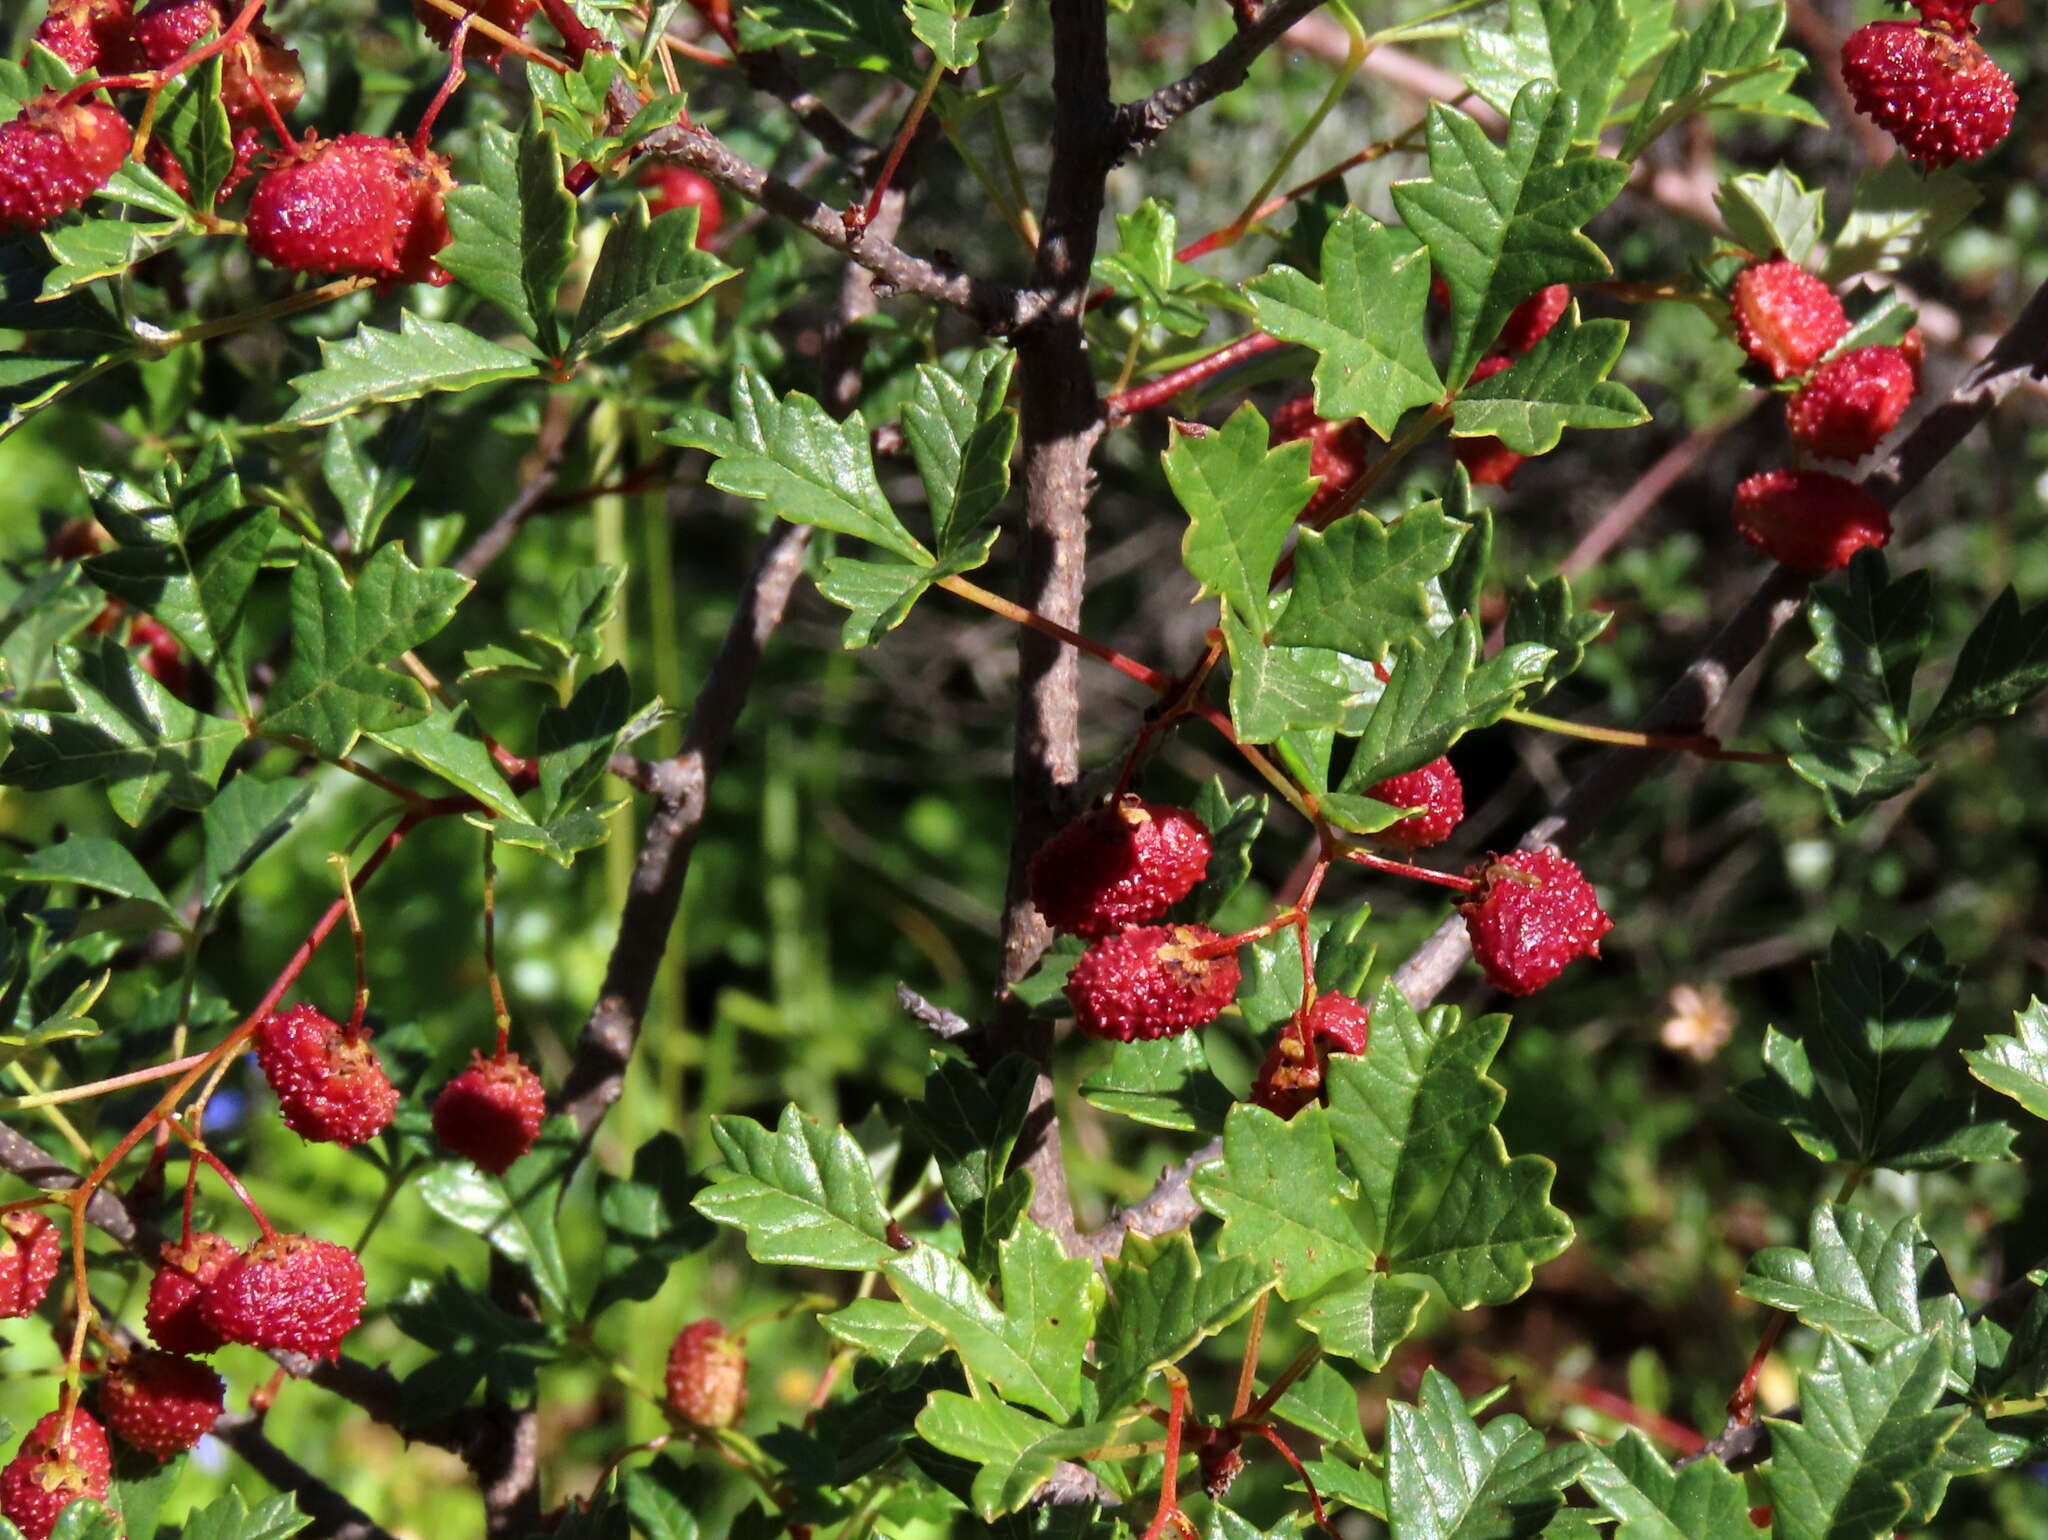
{"x": 330, "y": 1085}
{"x": 1812, "y": 521}
{"x": 1436, "y": 790}
{"x": 64, "y": 1458}
{"x": 1126, "y": 861}
{"x": 706, "y": 1376}
{"x": 491, "y": 1113}
{"x": 31, "y": 1250}
{"x": 1297, "y": 1065}
{"x": 1785, "y": 318}
{"x": 174, "y": 1313}
{"x": 288, "y": 1291}
{"x": 1532, "y": 914}
{"x": 161, "y": 1403}
{"x": 1150, "y": 982}
{"x": 56, "y": 154}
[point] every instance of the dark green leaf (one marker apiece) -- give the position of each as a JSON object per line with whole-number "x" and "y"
{"x": 1503, "y": 221}
{"x": 576, "y": 741}
{"x": 100, "y": 864}
{"x": 421, "y": 357}
{"x": 1577, "y": 44}
{"x": 1702, "y": 1501}
{"x": 1542, "y": 614}
{"x": 1439, "y": 691}
{"x": 879, "y": 595}
{"x": 1233, "y": 829}
{"x": 646, "y": 269}
{"x": 2017, "y": 1066}
{"x": 1869, "y": 636}
{"x": 1277, "y": 690}
{"x": 648, "y": 1221}
{"x": 1016, "y": 1451}
{"x": 952, "y": 31}
{"x": 1162, "y": 1302}
{"x": 2002, "y": 666}
{"x": 228, "y": 1518}
{"x": 241, "y": 823}
{"x": 513, "y": 225}
{"x": 192, "y": 125}
{"x": 515, "y": 1212}
{"x": 804, "y": 1194}
{"x": 857, "y": 34}
{"x": 1560, "y": 383}
{"x": 1450, "y": 1479}
{"x": 1853, "y": 777}
{"x": 1366, "y": 1321}
{"x": 1361, "y": 587}
{"x": 1144, "y": 269}
{"x": 369, "y": 469}
{"x": 962, "y": 435}
{"x": 1364, "y": 317}
{"x": 451, "y": 745}
{"x": 1165, "y": 1082}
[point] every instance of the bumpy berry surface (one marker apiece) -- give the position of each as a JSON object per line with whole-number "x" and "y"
{"x": 706, "y": 1379}
{"x": 1336, "y": 452}
{"x": 175, "y": 1316}
{"x": 331, "y": 1088}
{"x": 54, "y": 1469}
{"x": 1436, "y": 789}
{"x": 53, "y": 158}
{"x": 161, "y": 1403}
{"x": 1145, "y": 983}
{"x": 1851, "y": 402}
{"x": 1530, "y": 322}
{"x": 1940, "y": 96}
{"x": 291, "y": 1292}
{"x": 491, "y": 1112}
{"x": 1488, "y": 461}
{"x": 1533, "y": 914}
{"x": 672, "y": 187}
{"x": 1124, "y": 862}
{"x": 257, "y": 67}
{"x": 1296, "y": 1066}
{"x": 80, "y": 31}
{"x": 31, "y": 1248}
{"x": 510, "y": 15}
{"x": 358, "y": 206}
{"x": 1785, "y": 318}
{"x": 1811, "y": 521}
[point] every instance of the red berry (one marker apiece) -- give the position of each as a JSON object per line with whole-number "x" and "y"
{"x": 491, "y": 1113}
{"x": 1532, "y": 914}
{"x": 163, "y": 659}
{"x": 1937, "y": 93}
{"x": 30, "y": 1250}
{"x": 1147, "y": 983}
{"x": 291, "y": 1292}
{"x": 79, "y": 31}
{"x": 330, "y": 1085}
{"x": 1488, "y": 461}
{"x": 509, "y": 15}
{"x": 1810, "y": 520}
{"x": 706, "y": 1378}
{"x": 175, "y": 1314}
{"x": 1295, "y": 1066}
{"x": 675, "y": 187}
{"x": 1336, "y": 453}
{"x": 1851, "y": 402}
{"x": 1785, "y": 317}
{"x": 55, "y": 1467}
{"x": 257, "y": 68}
{"x": 161, "y": 1403}
{"x": 1530, "y": 322}
{"x": 1126, "y": 861}
{"x": 53, "y": 158}
{"x": 1436, "y": 789}
{"x": 358, "y": 206}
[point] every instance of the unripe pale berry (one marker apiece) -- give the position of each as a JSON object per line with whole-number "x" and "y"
{"x": 706, "y": 1378}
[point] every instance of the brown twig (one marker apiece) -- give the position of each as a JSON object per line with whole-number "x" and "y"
{"x": 1225, "y": 70}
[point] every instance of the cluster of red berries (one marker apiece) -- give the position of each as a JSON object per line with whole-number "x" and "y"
{"x": 354, "y": 206}
{"x": 1295, "y": 1066}
{"x": 1788, "y": 321}
{"x": 1929, "y": 84}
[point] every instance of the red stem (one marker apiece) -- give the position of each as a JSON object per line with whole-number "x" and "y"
{"x": 234, "y": 1183}
{"x": 1403, "y": 869}
{"x": 1742, "y": 1405}
{"x": 1126, "y": 404}
{"x": 577, "y": 38}
{"x": 458, "y": 71}
{"x": 1169, "y": 1478}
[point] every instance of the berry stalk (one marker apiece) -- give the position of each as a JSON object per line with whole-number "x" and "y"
{"x": 1705, "y": 745}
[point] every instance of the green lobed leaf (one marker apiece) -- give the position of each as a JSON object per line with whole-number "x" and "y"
{"x": 646, "y": 269}
{"x": 513, "y": 226}
{"x": 1576, "y": 44}
{"x": 125, "y": 730}
{"x": 1366, "y": 1321}
{"x": 1711, "y": 64}
{"x": 1016, "y": 1451}
{"x": 962, "y": 435}
{"x": 1438, "y": 1193}
{"x": 418, "y": 359}
{"x": 1560, "y": 383}
{"x": 1241, "y": 499}
{"x": 1233, "y": 826}
{"x": 2003, "y": 664}
{"x": 1279, "y": 690}
{"x": 1544, "y": 615}
{"x": 336, "y": 685}
{"x": 192, "y": 125}
{"x": 1853, "y": 777}
{"x": 1361, "y": 587}
{"x": 243, "y": 821}
{"x": 1872, "y": 1286}
{"x": 227, "y": 1517}
{"x": 370, "y": 468}
{"x": 474, "y": 1341}
{"x": 648, "y": 1221}
{"x": 804, "y": 1194}
{"x": 791, "y": 455}
{"x": 1162, "y": 1303}
{"x": 1869, "y": 636}
{"x": 952, "y": 31}
{"x": 1325, "y": 1403}
{"x": 879, "y": 595}
{"x": 1772, "y": 212}
{"x": 657, "y": 1513}
{"x": 1145, "y": 269}
{"x": 1438, "y": 692}
{"x": 187, "y": 549}
{"x": 885, "y": 1331}
{"x": 1503, "y": 221}
{"x": 1702, "y": 1501}
{"x": 856, "y": 34}
{"x": 576, "y": 741}
{"x": 451, "y": 745}
{"x": 972, "y": 1123}
{"x": 1899, "y": 210}
{"x": 515, "y": 1212}
{"x": 1364, "y": 317}
{"x": 1165, "y": 1082}
{"x": 1870, "y": 1433}
{"x": 2017, "y": 1066}
{"x": 1031, "y": 1347}
{"x": 1278, "y": 1193}
{"x": 1450, "y": 1479}
{"x": 561, "y": 840}
{"x": 92, "y": 249}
